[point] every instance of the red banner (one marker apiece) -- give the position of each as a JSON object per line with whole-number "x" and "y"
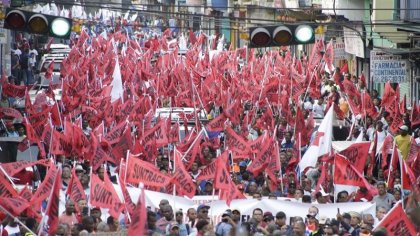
{"x": 141, "y": 171}
{"x": 138, "y": 219}
{"x": 6, "y": 188}
{"x": 25, "y": 193}
{"x": 222, "y": 178}
{"x": 13, "y": 168}
{"x": 61, "y": 144}
{"x": 75, "y": 189}
{"x": 397, "y": 223}
{"x": 10, "y": 112}
{"x": 15, "y": 91}
{"x": 114, "y": 135}
{"x": 173, "y": 135}
{"x": 100, "y": 194}
{"x": 346, "y": 174}
{"x": 357, "y": 154}
{"x": 46, "y": 186}
{"x": 182, "y": 179}
{"x": 52, "y": 210}
{"x": 263, "y": 158}
{"x": 236, "y": 143}
{"x": 209, "y": 171}
{"x": 217, "y": 124}
{"x": 14, "y": 205}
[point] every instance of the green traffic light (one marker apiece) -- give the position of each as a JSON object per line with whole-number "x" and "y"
{"x": 60, "y": 27}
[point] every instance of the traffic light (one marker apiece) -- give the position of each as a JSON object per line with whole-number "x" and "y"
{"x": 37, "y": 23}
{"x": 281, "y": 35}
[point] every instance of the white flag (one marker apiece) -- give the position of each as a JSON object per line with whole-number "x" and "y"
{"x": 117, "y": 86}
{"x": 321, "y": 144}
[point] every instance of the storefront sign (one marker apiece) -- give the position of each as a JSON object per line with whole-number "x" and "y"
{"x": 387, "y": 67}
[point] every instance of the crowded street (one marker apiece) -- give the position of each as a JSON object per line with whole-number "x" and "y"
{"x": 118, "y": 130}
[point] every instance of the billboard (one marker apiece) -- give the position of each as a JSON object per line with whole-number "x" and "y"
{"x": 386, "y": 67}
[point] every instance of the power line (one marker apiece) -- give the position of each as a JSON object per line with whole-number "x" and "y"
{"x": 231, "y": 18}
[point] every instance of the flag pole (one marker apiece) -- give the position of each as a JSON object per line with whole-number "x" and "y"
{"x": 390, "y": 166}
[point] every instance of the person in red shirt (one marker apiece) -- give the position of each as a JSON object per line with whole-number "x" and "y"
{"x": 69, "y": 217}
{"x": 362, "y": 194}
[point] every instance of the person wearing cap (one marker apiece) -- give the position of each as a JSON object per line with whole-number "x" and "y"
{"x": 203, "y": 212}
{"x": 224, "y": 227}
{"x": 268, "y": 217}
{"x": 207, "y": 189}
{"x": 173, "y": 229}
{"x": 183, "y": 229}
{"x": 239, "y": 177}
{"x": 313, "y": 224}
{"x": 236, "y": 217}
{"x": 350, "y": 225}
{"x": 79, "y": 171}
{"x": 403, "y": 141}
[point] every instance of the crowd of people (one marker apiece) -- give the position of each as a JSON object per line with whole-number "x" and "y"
{"x": 303, "y": 186}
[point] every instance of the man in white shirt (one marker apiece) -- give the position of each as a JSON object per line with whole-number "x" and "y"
{"x": 318, "y": 108}
{"x": 33, "y": 53}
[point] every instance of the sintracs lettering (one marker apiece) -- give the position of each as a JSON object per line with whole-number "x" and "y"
{"x": 102, "y": 195}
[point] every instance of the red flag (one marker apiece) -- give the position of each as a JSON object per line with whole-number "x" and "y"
{"x": 30, "y": 132}
{"x": 345, "y": 173}
{"x": 173, "y": 135}
{"x": 119, "y": 151}
{"x": 48, "y": 45}
{"x": 386, "y": 146}
{"x": 114, "y": 135}
{"x": 217, "y": 124}
{"x": 15, "y": 91}
{"x": 409, "y": 180}
{"x": 182, "y": 179}
{"x": 222, "y": 178}
{"x": 415, "y": 114}
{"x": 263, "y": 158}
{"x": 101, "y": 194}
{"x": 53, "y": 202}
{"x": 25, "y": 193}
{"x": 209, "y": 171}
{"x": 14, "y": 205}
{"x": 61, "y": 144}
{"x": 357, "y": 154}
{"x": 10, "y": 112}
{"x": 329, "y": 56}
{"x": 142, "y": 171}
{"x": 6, "y": 187}
{"x": 344, "y": 68}
{"x": 13, "y": 168}
{"x": 46, "y": 186}
{"x": 396, "y": 222}
{"x": 413, "y": 152}
{"x": 368, "y": 107}
{"x": 403, "y": 105}
{"x": 130, "y": 206}
{"x": 236, "y": 143}
{"x": 389, "y": 95}
{"x": 49, "y": 72}
{"x": 362, "y": 78}
{"x": 75, "y": 189}
{"x": 138, "y": 219}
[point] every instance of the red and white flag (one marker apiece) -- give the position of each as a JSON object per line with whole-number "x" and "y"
{"x": 321, "y": 144}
